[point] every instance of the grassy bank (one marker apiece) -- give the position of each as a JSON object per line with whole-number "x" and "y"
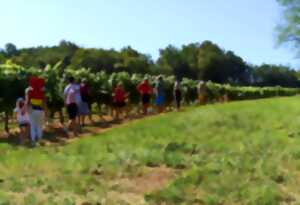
{"x": 236, "y": 153}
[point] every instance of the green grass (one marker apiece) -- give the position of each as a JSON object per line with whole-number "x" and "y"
{"x": 236, "y": 153}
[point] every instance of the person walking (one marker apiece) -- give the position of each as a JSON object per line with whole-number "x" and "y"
{"x": 160, "y": 94}
{"x": 119, "y": 100}
{"x": 177, "y": 93}
{"x": 78, "y": 99}
{"x": 71, "y": 104}
{"x": 22, "y": 119}
{"x": 36, "y": 105}
{"x": 145, "y": 91}
{"x": 85, "y": 106}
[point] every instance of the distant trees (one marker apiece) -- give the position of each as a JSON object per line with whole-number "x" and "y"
{"x": 273, "y": 75}
{"x": 198, "y": 61}
{"x": 10, "y": 50}
{"x": 42, "y": 56}
{"x": 205, "y": 61}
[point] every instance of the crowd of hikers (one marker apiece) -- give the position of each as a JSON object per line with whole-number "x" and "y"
{"x": 31, "y": 110}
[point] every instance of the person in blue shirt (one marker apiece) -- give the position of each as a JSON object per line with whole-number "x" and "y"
{"x": 160, "y": 94}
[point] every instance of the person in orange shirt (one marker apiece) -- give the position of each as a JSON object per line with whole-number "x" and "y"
{"x": 145, "y": 91}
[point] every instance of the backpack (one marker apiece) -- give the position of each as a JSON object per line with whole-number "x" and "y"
{"x": 36, "y": 93}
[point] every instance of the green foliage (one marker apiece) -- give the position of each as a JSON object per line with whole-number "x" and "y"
{"x": 206, "y": 61}
{"x": 102, "y": 84}
{"x": 197, "y": 61}
{"x": 288, "y": 29}
{"x": 272, "y": 75}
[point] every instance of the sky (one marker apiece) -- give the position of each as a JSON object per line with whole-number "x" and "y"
{"x": 246, "y": 27}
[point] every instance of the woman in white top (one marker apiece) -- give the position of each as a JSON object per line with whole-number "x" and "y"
{"x": 22, "y": 119}
{"x": 71, "y": 101}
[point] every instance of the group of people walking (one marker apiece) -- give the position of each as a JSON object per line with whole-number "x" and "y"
{"x": 31, "y": 111}
{"x": 77, "y": 101}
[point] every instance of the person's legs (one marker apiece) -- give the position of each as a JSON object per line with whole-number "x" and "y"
{"x": 178, "y": 104}
{"x": 78, "y": 120}
{"x": 146, "y": 102}
{"x": 72, "y": 125}
{"x": 160, "y": 108}
{"x": 86, "y": 112}
{"x": 202, "y": 99}
{"x": 90, "y": 114}
{"x": 145, "y": 108}
{"x": 82, "y": 120}
{"x": 122, "y": 108}
{"x": 33, "y": 132}
{"x": 91, "y": 118}
{"x": 22, "y": 134}
{"x": 72, "y": 112}
{"x": 117, "y": 113}
{"x": 39, "y": 125}
{"x": 163, "y": 100}
{"x": 160, "y": 103}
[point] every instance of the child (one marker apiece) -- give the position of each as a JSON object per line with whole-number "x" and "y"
{"x": 145, "y": 91}
{"x": 22, "y": 119}
{"x": 119, "y": 97}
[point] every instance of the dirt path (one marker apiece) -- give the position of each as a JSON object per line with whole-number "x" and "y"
{"x": 55, "y": 134}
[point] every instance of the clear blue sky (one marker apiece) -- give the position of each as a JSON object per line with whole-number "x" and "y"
{"x": 244, "y": 26}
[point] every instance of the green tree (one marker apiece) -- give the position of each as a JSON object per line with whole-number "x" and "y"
{"x": 288, "y": 29}
{"x": 273, "y": 75}
{"x": 172, "y": 61}
{"x": 10, "y": 50}
{"x": 2, "y": 57}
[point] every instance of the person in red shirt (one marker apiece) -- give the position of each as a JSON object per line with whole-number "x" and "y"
{"x": 119, "y": 100}
{"x": 86, "y": 107}
{"x": 145, "y": 91}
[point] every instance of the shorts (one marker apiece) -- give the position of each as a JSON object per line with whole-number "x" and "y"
{"x": 120, "y": 104}
{"x": 23, "y": 124}
{"x": 160, "y": 100}
{"x": 146, "y": 99}
{"x": 72, "y": 111}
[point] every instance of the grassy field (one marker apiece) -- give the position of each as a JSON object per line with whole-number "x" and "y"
{"x": 224, "y": 154}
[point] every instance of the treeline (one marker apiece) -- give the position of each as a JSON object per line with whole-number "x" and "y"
{"x": 205, "y": 61}
{"x": 14, "y": 81}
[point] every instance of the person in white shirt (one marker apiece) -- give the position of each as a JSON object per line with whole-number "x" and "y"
{"x": 22, "y": 119}
{"x": 71, "y": 104}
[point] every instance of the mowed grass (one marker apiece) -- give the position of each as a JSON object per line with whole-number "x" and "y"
{"x": 235, "y": 153}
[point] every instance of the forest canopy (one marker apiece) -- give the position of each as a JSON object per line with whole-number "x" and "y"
{"x": 199, "y": 61}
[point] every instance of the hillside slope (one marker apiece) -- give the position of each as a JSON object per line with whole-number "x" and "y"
{"x": 236, "y": 153}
